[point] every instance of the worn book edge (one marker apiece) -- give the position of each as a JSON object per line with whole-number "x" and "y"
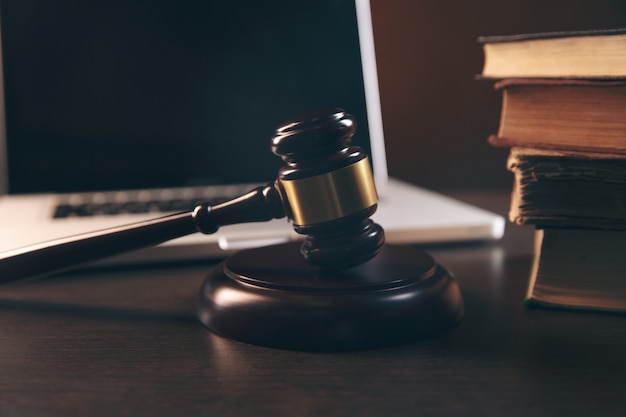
{"x": 534, "y": 300}
{"x": 552, "y": 82}
{"x": 549, "y": 35}
{"x": 503, "y": 142}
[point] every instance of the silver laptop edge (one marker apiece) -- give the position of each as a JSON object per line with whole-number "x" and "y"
{"x": 372, "y": 94}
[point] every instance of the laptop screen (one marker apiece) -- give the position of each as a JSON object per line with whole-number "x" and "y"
{"x": 122, "y": 94}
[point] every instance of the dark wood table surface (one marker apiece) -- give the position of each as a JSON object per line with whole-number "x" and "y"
{"x": 125, "y": 342}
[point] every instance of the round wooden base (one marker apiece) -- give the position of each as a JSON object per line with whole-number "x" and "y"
{"x": 270, "y": 296}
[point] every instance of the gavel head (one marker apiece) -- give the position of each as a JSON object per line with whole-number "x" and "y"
{"x": 328, "y": 189}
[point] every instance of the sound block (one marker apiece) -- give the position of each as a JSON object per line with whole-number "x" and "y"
{"x": 270, "y": 296}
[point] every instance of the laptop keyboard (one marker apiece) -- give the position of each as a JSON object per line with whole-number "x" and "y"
{"x": 143, "y": 201}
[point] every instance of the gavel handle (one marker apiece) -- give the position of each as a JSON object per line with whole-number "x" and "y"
{"x": 261, "y": 204}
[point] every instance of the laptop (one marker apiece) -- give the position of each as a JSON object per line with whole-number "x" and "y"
{"x": 117, "y": 111}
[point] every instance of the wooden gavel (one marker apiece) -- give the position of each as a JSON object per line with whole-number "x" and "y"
{"x": 325, "y": 189}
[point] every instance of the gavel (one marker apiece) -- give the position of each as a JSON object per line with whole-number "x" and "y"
{"x": 326, "y": 189}
{"x": 342, "y": 288}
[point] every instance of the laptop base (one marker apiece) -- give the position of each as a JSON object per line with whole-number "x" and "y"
{"x": 270, "y": 296}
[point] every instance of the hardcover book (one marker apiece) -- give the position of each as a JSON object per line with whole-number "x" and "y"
{"x": 575, "y": 54}
{"x": 579, "y": 269}
{"x": 563, "y": 114}
{"x": 566, "y": 188}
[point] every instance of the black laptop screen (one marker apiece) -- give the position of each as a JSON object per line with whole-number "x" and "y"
{"x": 120, "y": 94}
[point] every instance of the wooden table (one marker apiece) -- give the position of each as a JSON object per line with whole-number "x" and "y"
{"x": 125, "y": 342}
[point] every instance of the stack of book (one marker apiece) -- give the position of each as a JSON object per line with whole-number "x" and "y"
{"x": 563, "y": 117}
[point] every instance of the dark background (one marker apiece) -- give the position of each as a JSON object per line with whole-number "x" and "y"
{"x": 436, "y": 115}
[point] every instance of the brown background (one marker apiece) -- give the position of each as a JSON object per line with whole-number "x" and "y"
{"x": 436, "y": 115}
